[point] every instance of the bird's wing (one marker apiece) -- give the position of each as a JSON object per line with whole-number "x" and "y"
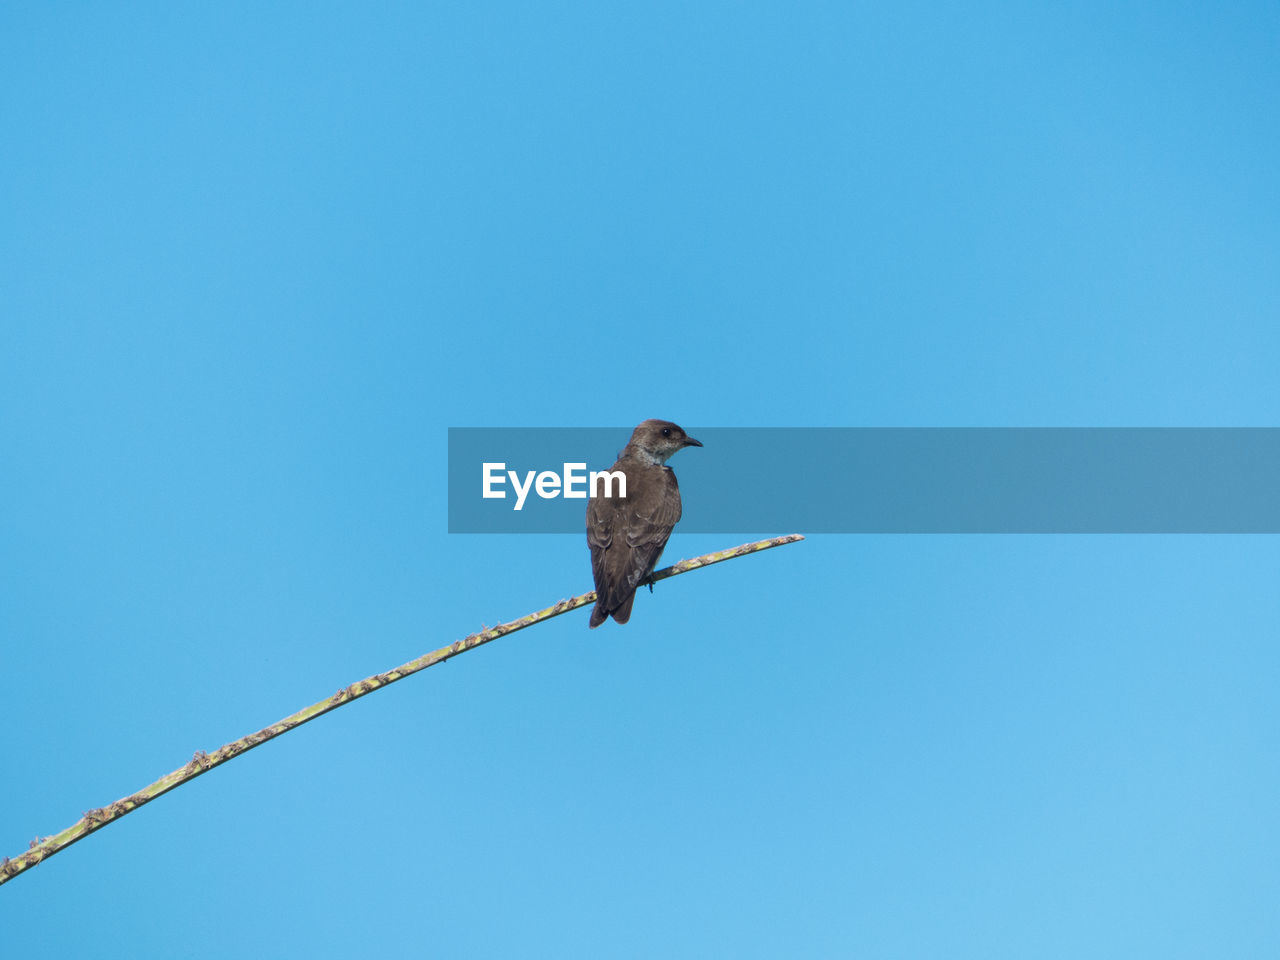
{"x": 602, "y": 514}
{"x": 648, "y": 527}
{"x": 626, "y": 537}
{"x": 602, "y": 517}
{"x": 653, "y": 520}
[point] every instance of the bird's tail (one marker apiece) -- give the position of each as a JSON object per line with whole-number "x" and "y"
{"x": 621, "y": 613}
{"x": 598, "y": 615}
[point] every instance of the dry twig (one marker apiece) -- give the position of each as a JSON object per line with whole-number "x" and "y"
{"x": 44, "y": 847}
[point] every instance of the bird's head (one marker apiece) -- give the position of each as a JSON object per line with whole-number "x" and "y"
{"x": 656, "y": 440}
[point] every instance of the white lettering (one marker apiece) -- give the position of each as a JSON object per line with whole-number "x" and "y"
{"x": 608, "y": 476}
{"x": 573, "y": 483}
{"x": 548, "y": 484}
{"x": 571, "y": 478}
{"x": 490, "y": 478}
{"x": 521, "y": 492}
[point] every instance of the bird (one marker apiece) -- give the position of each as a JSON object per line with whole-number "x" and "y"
{"x": 626, "y": 534}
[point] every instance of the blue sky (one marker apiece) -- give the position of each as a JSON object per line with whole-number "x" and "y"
{"x": 255, "y": 263}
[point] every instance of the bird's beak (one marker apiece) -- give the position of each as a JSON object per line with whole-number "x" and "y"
{"x": 690, "y": 442}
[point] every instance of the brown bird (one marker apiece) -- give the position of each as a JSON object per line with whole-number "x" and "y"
{"x": 627, "y": 534}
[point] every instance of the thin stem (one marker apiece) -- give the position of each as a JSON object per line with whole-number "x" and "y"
{"x": 44, "y": 847}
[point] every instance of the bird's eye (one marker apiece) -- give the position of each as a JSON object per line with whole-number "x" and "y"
{"x": 666, "y": 432}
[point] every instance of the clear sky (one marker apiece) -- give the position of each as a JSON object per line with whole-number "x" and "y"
{"x": 254, "y": 263}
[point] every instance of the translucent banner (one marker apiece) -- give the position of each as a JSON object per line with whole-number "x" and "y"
{"x": 887, "y": 480}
